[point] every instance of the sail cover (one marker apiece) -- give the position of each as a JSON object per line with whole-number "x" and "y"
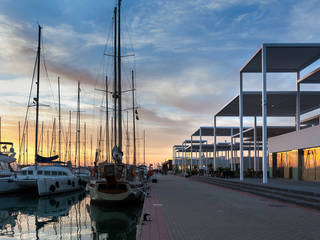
{"x": 41, "y": 159}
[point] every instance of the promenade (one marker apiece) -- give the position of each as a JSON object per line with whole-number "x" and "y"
{"x": 182, "y": 208}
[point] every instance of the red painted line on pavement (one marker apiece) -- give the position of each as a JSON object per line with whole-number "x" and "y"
{"x": 156, "y": 228}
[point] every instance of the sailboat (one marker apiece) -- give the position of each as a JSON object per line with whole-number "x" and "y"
{"x": 116, "y": 183}
{"x": 47, "y": 176}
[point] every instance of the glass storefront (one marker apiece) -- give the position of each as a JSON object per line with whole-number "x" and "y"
{"x": 311, "y": 164}
{"x": 286, "y": 164}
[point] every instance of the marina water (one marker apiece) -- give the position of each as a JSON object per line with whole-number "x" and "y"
{"x": 64, "y": 216}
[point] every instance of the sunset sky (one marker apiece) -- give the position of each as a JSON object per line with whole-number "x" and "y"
{"x": 187, "y": 59}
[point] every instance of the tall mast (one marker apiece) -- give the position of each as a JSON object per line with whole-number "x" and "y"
{"x": 59, "y": 119}
{"x": 85, "y": 145}
{"x": 78, "y": 125}
{"x": 119, "y": 82}
{"x": 70, "y": 136}
{"x": 41, "y": 150}
{"x": 115, "y": 94}
{"x": 37, "y": 98}
{"x": 144, "y": 147}
{"x": 48, "y": 143}
{"x": 100, "y": 144}
{"x": 127, "y": 145}
{"x": 107, "y": 122}
{"x": 91, "y": 150}
{"x": 134, "y": 122}
{"x": 53, "y": 138}
{"x": 27, "y": 151}
{"x": 19, "y": 161}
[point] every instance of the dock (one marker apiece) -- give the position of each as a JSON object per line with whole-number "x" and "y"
{"x": 186, "y": 208}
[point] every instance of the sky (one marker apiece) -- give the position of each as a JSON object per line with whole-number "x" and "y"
{"x": 187, "y": 56}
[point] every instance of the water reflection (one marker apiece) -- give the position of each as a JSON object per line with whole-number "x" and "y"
{"x": 114, "y": 223}
{"x": 67, "y": 216}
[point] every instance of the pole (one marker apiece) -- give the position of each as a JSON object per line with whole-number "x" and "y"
{"x": 200, "y": 150}
{"x": 133, "y": 121}
{"x": 78, "y": 125}
{"x": 70, "y": 137}
{"x": 144, "y": 147}
{"x": 91, "y": 149}
{"x": 37, "y": 98}
{"x": 298, "y": 104}
{"x": 115, "y": 94}
{"x": 127, "y": 145}
{"x": 59, "y": 118}
{"x": 231, "y": 141}
{"x": 241, "y": 126}
{"x": 255, "y": 144}
{"x": 191, "y": 156}
{"x": 41, "y": 150}
{"x": 107, "y": 122}
{"x": 119, "y": 82}
{"x": 27, "y": 150}
{"x": 264, "y": 113}
{"x": 19, "y": 160}
{"x": 215, "y": 143}
{"x": 85, "y": 145}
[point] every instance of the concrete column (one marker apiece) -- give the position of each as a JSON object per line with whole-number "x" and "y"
{"x": 206, "y": 156}
{"x": 200, "y": 150}
{"x": 185, "y": 157}
{"x": 241, "y": 126}
{"x": 232, "y": 160}
{"x": 255, "y": 143}
{"x": 215, "y": 143}
{"x": 264, "y": 113}
{"x": 249, "y": 155}
{"x": 191, "y": 157}
{"x": 298, "y": 104}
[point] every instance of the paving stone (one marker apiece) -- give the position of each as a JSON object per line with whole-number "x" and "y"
{"x": 196, "y": 210}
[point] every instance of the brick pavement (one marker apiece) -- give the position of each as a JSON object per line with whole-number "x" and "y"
{"x": 156, "y": 228}
{"x": 196, "y": 210}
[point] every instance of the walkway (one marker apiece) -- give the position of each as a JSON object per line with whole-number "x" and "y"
{"x": 196, "y": 210}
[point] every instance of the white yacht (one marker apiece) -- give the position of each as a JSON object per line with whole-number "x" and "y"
{"x": 8, "y": 168}
{"x": 47, "y": 176}
{"x": 48, "y": 179}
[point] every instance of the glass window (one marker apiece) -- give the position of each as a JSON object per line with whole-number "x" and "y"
{"x": 54, "y": 173}
{"x": 24, "y": 172}
{"x": 64, "y": 174}
{"x": 293, "y": 158}
{"x": 279, "y": 160}
{"x": 47, "y": 173}
{"x": 59, "y": 173}
{"x": 30, "y": 172}
{"x": 270, "y": 160}
{"x": 39, "y": 172}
